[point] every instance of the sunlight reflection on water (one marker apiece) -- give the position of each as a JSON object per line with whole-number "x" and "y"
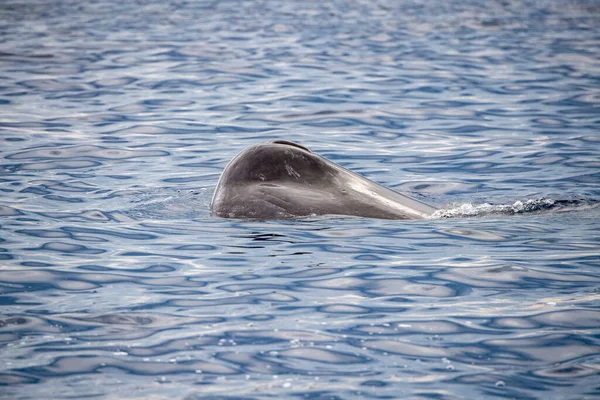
{"x": 118, "y": 119}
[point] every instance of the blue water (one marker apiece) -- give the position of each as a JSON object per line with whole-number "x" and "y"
{"x": 118, "y": 117}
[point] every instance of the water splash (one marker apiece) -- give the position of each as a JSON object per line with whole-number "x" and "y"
{"x": 171, "y": 205}
{"x": 541, "y": 204}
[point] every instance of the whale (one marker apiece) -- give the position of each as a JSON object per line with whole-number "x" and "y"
{"x": 280, "y": 180}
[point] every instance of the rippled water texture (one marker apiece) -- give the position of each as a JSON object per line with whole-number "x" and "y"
{"x": 118, "y": 117}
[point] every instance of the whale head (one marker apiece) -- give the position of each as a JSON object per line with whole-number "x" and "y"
{"x": 284, "y": 180}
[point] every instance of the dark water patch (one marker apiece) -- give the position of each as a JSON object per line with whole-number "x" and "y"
{"x": 6, "y": 211}
{"x": 15, "y": 379}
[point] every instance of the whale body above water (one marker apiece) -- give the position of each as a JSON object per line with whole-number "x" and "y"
{"x": 285, "y": 180}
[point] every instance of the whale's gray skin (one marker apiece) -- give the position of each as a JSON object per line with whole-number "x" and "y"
{"x": 284, "y": 180}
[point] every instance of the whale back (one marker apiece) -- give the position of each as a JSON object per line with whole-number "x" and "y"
{"x": 283, "y": 180}
{"x": 275, "y": 161}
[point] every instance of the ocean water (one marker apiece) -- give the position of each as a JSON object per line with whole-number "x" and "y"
{"x": 117, "y": 119}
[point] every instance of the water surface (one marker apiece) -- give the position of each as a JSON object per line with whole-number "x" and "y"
{"x": 118, "y": 117}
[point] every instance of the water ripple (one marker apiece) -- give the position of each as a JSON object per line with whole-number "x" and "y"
{"x": 118, "y": 118}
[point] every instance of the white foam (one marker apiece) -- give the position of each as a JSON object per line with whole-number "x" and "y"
{"x": 472, "y": 210}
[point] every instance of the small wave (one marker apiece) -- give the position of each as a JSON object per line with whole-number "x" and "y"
{"x": 518, "y": 207}
{"x": 178, "y": 205}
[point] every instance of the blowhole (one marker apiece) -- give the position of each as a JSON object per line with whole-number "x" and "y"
{"x": 288, "y": 143}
